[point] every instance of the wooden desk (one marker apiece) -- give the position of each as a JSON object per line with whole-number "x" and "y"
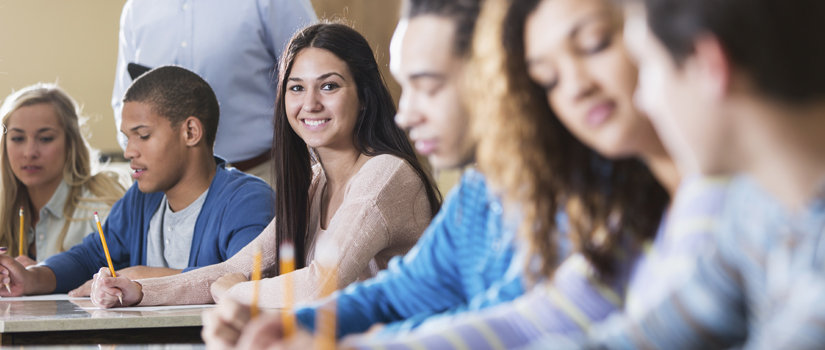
{"x": 49, "y": 322}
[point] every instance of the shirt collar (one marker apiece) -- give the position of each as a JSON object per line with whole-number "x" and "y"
{"x": 58, "y": 200}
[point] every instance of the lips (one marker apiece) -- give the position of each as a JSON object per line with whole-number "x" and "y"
{"x": 600, "y": 113}
{"x": 315, "y": 123}
{"x": 137, "y": 172}
{"x": 426, "y": 147}
{"x": 32, "y": 168}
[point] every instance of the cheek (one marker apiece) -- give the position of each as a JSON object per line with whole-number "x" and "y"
{"x": 561, "y": 110}
{"x": 292, "y": 105}
{"x": 649, "y": 91}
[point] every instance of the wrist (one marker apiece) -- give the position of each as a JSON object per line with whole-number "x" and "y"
{"x": 38, "y": 280}
{"x": 139, "y": 292}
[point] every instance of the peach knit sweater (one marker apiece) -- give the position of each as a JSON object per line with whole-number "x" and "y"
{"x": 383, "y": 213}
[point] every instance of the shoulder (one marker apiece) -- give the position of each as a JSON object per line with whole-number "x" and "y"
{"x": 234, "y": 180}
{"x": 470, "y": 199}
{"x": 382, "y": 173}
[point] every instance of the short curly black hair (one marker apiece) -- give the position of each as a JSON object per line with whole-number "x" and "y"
{"x": 780, "y": 43}
{"x": 176, "y": 94}
{"x": 463, "y": 12}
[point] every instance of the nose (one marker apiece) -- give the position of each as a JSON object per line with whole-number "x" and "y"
{"x": 31, "y": 149}
{"x": 312, "y": 103}
{"x": 130, "y": 152}
{"x": 408, "y": 115}
{"x": 577, "y": 79}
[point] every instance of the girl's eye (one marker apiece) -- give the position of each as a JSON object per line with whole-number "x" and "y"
{"x": 17, "y": 139}
{"x": 144, "y": 137}
{"x": 329, "y": 86}
{"x": 548, "y": 87}
{"x": 599, "y": 46}
{"x": 47, "y": 139}
{"x": 296, "y": 88}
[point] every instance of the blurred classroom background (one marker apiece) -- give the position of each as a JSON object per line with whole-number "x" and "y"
{"x": 74, "y": 43}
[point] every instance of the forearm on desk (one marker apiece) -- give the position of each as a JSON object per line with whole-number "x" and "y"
{"x": 139, "y": 272}
{"x": 39, "y": 280}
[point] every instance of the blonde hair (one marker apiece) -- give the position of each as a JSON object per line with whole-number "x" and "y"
{"x": 540, "y": 167}
{"x": 77, "y": 172}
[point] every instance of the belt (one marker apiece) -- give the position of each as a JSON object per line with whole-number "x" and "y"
{"x": 250, "y": 163}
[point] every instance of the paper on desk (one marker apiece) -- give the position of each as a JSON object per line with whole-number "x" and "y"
{"x": 42, "y": 297}
{"x": 152, "y": 308}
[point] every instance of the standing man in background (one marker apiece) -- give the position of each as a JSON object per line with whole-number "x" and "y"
{"x": 234, "y": 45}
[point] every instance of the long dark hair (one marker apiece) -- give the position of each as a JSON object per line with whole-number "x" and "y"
{"x": 542, "y": 167}
{"x": 375, "y": 131}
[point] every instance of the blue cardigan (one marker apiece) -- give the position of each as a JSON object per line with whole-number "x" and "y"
{"x": 237, "y": 208}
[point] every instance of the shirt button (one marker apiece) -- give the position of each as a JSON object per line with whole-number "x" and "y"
{"x": 167, "y": 241}
{"x": 185, "y": 7}
{"x": 42, "y": 237}
{"x": 183, "y": 44}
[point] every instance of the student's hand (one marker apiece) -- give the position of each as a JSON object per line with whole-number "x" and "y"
{"x": 132, "y": 273}
{"x": 25, "y": 260}
{"x": 106, "y": 290}
{"x": 266, "y": 332}
{"x": 222, "y": 325}
{"x": 222, "y": 285}
{"x": 13, "y": 276}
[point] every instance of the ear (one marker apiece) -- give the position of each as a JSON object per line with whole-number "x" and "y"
{"x": 192, "y": 130}
{"x": 713, "y": 66}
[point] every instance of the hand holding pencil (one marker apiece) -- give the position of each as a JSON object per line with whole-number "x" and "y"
{"x": 108, "y": 291}
{"x": 14, "y": 276}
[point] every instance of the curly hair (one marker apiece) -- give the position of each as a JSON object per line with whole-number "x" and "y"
{"x": 541, "y": 167}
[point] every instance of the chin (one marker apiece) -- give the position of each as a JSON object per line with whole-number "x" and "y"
{"x": 443, "y": 163}
{"x": 145, "y": 187}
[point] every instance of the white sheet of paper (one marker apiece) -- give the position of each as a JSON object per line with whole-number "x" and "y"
{"x": 153, "y": 308}
{"x": 42, "y": 297}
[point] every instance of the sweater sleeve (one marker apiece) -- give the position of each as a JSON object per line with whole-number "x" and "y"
{"x": 425, "y": 280}
{"x": 193, "y": 287}
{"x": 385, "y": 207}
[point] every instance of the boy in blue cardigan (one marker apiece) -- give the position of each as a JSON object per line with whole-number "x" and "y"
{"x": 186, "y": 210}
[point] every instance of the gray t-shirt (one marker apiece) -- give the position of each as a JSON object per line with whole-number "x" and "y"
{"x": 170, "y": 246}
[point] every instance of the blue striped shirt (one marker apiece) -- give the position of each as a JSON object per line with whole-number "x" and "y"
{"x": 577, "y": 298}
{"x": 762, "y": 285}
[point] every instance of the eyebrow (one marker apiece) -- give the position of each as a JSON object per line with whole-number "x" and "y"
{"x": 587, "y": 20}
{"x": 38, "y": 130}
{"x": 135, "y": 129}
{"x": 575, "y": 30}
{"x": 320, "y": 77}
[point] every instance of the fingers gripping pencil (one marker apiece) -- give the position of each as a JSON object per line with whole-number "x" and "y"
{"x": 106, "y": 251}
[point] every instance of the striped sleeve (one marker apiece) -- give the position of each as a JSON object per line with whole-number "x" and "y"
{"x": 569, "y": 305}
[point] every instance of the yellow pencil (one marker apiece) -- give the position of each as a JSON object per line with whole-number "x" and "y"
{"x": 22, "y": 238}
{"x": 256, "y": 277}
{"x": 106, "y": 251}
{"x": 325, "y": 322}
{"x": 287, "y": 265}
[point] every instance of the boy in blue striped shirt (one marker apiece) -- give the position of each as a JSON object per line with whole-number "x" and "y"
{"x": 742, "y": 82}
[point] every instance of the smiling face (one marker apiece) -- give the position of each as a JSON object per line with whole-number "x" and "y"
{"x": 424, "y": 63}
{"x": 574, "y": 50}
{"x": 36, "y": 146}
{"x": 321, "y": 101}
{"x": 156, "y": 150}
